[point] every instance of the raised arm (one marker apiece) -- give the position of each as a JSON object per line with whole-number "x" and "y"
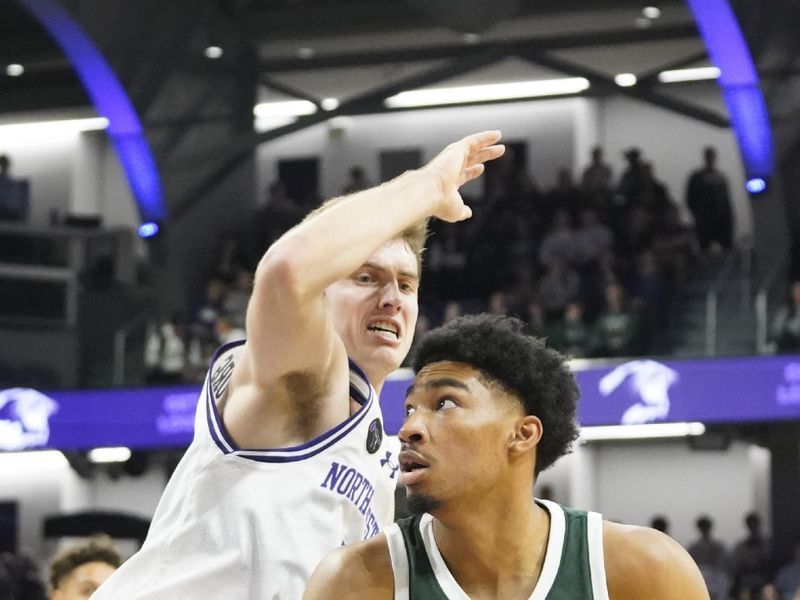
{"x": 645, "y": 563}
{"x": 293, "y": 353}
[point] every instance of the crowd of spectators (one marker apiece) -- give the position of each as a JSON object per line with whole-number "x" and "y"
{"x": 591, "y": 264}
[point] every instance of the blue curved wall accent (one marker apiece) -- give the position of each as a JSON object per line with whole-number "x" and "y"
{"x": 739, "y": 82}
{"x": 110, "y": 101}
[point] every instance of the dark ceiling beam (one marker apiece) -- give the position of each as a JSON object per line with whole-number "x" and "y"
{"x": 227, "y": 157}
{"x": 457, "y": 51}
{"x": 289, "y": 90}
{"x": 335, "y": 18}
{"x": 645, "y": 94}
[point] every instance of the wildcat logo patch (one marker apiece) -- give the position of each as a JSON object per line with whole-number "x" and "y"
{"x": 374, "y": 436}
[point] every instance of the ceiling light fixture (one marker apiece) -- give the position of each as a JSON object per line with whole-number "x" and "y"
{"x": 50, "y": 128}
{"x": 329, "y": 104}
{"x": 213, "y": 52}
{"x": 109, "y": 455}
{"x": 697, "y": 74}
{"x": 486, "y": 93}
{"x": 625, "y": 79}
{"x": 640, "y": 432}
{"x": 14, "y": 70}
{"x": 651, "y": 12}
{"x": 286, "y": 108}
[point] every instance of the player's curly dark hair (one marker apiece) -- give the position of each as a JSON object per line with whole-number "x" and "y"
{"x": 98, "y": 548}
{"x": 522, "y": 364}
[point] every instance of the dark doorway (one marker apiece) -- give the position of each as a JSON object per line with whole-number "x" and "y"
{"x": 8, "y": 527}
{"x": 396, "y": 162}
{"x": 301, "y": 176}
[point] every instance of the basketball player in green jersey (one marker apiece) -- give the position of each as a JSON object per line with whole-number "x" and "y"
{"x": 488, "y": 410}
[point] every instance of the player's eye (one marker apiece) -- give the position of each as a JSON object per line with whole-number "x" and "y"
{"x": 446, "y": 403}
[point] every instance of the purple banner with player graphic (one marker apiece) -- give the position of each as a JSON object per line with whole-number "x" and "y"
{"x": 722, "y": 390}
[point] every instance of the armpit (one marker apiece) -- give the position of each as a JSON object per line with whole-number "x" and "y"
{"x": 304, "y": 390}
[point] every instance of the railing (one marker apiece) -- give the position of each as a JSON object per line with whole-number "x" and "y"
{"x": 713, "y": 293}
{"x": 121, "y": 337}
{"x": 762, "y": 303}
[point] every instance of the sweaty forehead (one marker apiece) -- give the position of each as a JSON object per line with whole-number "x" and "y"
{"x": 396, "y": 256}
{"x": 446, "y": 374}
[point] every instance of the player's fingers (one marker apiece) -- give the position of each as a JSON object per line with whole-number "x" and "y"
{"x": 472, "y": 172}
{"x": 487, "y": 154}
{"x": 483, "y": 138}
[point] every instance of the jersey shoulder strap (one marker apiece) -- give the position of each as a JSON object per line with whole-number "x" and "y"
{"x": 414, "y": 576}
{"x": 581, "y": 570}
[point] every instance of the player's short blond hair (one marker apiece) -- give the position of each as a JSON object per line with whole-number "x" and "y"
{"x": 414, "y": 236}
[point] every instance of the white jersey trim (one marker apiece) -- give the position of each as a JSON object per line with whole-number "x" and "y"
{"x": 552, "y": 560}
{"x": 399, "y": 558}
{"x": 597, "y": 565}
{"x": 360, "y": 389}
{"x": 555, "y": 546}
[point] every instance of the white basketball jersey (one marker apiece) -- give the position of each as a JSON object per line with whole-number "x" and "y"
{"x": 237, "y": 523}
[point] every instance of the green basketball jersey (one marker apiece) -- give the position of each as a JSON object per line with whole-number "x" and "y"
{"x": 573, "y": 566}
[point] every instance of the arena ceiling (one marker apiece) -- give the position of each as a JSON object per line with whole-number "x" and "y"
{"x": 361, "y": 51}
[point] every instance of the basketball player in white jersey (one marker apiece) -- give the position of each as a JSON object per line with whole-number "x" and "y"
{"x": 489, "y": 409}
{"x": 289, "y": 458}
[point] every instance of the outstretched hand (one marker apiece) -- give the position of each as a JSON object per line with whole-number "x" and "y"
{"x": 458, "y": 163}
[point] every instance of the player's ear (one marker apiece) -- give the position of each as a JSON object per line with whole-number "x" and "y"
{"x": 526, "y": 435}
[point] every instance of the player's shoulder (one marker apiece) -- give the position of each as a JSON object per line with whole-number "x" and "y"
{"x": 643, "y": 562}
{"x": 358, "y": 570}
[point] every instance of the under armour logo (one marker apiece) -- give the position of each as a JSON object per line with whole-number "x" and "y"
{"x": 388, "y": 462}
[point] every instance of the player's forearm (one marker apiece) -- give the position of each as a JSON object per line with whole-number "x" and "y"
{"x": 334, "y": 243}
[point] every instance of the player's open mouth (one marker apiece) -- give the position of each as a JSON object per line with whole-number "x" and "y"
{"x": 413, "y": 467}
{"x": 385, "y": 327}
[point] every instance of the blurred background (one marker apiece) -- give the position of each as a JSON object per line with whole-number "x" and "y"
{"x": 648, "y": 207}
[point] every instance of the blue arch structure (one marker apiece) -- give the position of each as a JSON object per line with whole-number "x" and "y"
{"x": 110, "y": 101}
{"x": 739, "y": 82}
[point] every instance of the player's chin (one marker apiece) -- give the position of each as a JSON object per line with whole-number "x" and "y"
{"x": 418, "y": 503}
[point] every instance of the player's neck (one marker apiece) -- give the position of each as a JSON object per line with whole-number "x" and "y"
{"x": 494, "y": 546}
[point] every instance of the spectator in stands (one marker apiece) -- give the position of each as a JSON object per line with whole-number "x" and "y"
{"x": 654, "y": 195}
{"x": 631, "y": 182}
{"x": 571, "y": 335}
{"x": 559, "y": 286}
{"x": 535, "y": 323}
{"x": 708, "y": 198}
{"x": 234, "y": 302}
{"x": 558, "y": 244}
{"x": 660, "y": 523}
{"x": 649, "y": 296}
{"x": 19, "y": 578}
{"x": 750, "y": 560}
{"x": 79, "y": 570}
{"x": 452, "y": 310}
{"x": 13, "y": 193}
{"x": 229, "y": 328}
{"x": 498, "y": 303}
{"x": 786, "y": 325}
{"x": 275, "y": 216}
{"x": 596, "y": 180}
{"x": 710, "y": 556}
{"x": 788, "y": 579}
{"x": 615, "y": 332}
{"x": 165, "y": 352}
{"x": 593, "y": 242}
{"x": 357, "y": 180}
{"x": 592, "y": 238}
{"x": 674, "y": 245}
{"x": 566, "y": 195}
